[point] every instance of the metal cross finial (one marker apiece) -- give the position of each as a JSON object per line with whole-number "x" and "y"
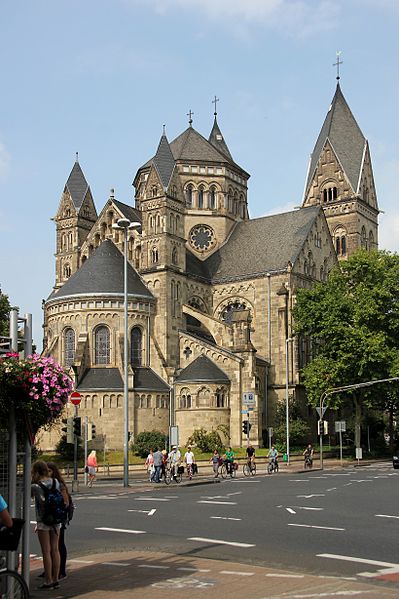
{"x": 215, "y": 101}
{"x": 336, "y": 64}
{"x": 163, "y": 132}
{"x": 190, "y": 115}
{"x": 77, "y": 157}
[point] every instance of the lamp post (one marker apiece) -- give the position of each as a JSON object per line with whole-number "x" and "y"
{"x": 283, "y": 291}
{"x": 124, "y": 224}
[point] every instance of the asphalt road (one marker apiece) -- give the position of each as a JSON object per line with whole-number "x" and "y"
{"x": 341, "y": 522}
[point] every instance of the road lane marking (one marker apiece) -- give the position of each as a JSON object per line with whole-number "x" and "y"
{"x": 315, "y": 509}
{"x": 149, "y": 513}
{"x": 154, "y": 567}
{"x": 82, "y": 561}
{"x": 234, "y": 572}
{"x": 285, "y": 575}
{"x": 235, "y": 493}
{"x": 218, "y": 502}
{"x": 299, "y": 480}
{"x": 332, "y": 489}
{"x": 132, "y": 532}
{"x": 220, "y": 542}
{"x": 290, "y": 510}
{"x": 385, "y": 516}
{"x": 150, "y": 499}
{"x": 122, "y": 564}
{"x": 313, "y": 526}
{"x": 192, "y": 569}
{"x": 359, "y": 560}
{"x": 310, "y": 496}
{"x": 224, "y": 518}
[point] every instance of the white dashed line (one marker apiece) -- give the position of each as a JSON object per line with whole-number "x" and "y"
{"x": 220, "y": 542}
{"x": 224, "y": 518}
{"x": 385, "y": 516}
{"x": 218, "y": 502}
{"x": 235, "y": 573}
{"x": 154, "y": 567}
{"x": 122, "y": 564}
{"x": 132, "y": 532}
{"x": 313, "y": 526}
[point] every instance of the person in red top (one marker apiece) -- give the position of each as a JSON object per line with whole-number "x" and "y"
{"x": 92, "y": 467}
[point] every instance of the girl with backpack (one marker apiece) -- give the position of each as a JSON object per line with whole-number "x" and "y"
{"x": 42, "y": 486}
{"x": 55, "y": 473}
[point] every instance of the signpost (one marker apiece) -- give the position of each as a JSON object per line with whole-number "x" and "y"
{"x": 340, "y": 427}
{"x": 75, "y": 399}
{"x": 249, "y": 403}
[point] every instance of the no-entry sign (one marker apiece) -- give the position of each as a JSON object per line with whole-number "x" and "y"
{"x": 75, "y": 398}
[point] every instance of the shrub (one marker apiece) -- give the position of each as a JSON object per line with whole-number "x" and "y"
{"x": 66, "y": 450}
{"x": 206, "y": 442}
{"x": 147, "y": 440}
{"x": 299, "y": 433}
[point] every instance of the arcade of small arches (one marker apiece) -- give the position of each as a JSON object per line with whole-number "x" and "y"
{"x": 147, "y": 401}
{"x": 203, "y": 397}
{"x": 102, "y": 346}
{"x": 202, "y": 197}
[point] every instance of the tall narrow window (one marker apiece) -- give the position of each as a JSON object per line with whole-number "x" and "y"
{"x": 136, "y": 346}
{"x": 69, "y": 347}
{"x": 343, "y": 245}
{"x": 189, "y": 196}
{"x": 212, "y": 198}
{"x": 174, "y": 256}
{"x": 101, "y": 345}
{"x": 338, "y": 245}
{"x": 200, "y": 197}
{"x": 363, "y": 238}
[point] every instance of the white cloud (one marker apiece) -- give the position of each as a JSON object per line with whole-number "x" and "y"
{"x": 297, "y": 18}
{"x": 4, "y": 162}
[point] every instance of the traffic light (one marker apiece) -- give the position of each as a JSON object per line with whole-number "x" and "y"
{"x": 322, "y": 427}
{"x": 77, "y": 426}
{"x": 245, "y": 428}
{"x": 68, "y": 429}
{"x": 325, "y": 427}
{"x": 93, "y": 431}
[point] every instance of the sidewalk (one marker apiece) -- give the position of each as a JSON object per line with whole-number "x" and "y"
{"x": 156, "y": 575}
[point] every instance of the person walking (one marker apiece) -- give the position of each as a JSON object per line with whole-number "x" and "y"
{"x": 215, "y": 461}
{"x": 48, "y": 535}
{"x": 190, "y": 460}
{"x": 158, "y": 460}
{"x": 149, "y": 464}
{"x": 174, "y": 460}
{"x": 92, "y": 467}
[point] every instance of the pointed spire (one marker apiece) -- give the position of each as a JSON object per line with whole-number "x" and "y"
{"x": 216, "y": 139}
{"x": 164, "y": 161}
{"x": 347, "y": 140}
{"x": 77, "y": 184}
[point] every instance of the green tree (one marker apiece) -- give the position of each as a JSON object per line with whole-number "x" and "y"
{"x": 353, "y": 322}
{"x": 147, "y": 440}
{"x": 4, "y": 314}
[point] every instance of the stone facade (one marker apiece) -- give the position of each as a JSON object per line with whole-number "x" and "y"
{"x": 210, "y": 292}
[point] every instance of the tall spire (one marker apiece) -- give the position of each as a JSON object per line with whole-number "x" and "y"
{"x": 164, "y": 161}
{"x": 77, "y": 184}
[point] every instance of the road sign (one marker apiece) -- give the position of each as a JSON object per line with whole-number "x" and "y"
{"x": 321, "y": 412}
{"x": 340, "y": 426}
{"x": 75, "y": 398}
{"x": 244, "y": 411}
{"x": 249, "y": 398}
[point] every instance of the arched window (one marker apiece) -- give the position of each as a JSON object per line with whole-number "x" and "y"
{"x": 340, "y": 241}
{"x": 136, "y": 346}
{"x": 343, "y": 245}
{"x": 220, "y": 398}
{"x": 174, "y": 256}
{"x": 101, "y": 345}
{"x": 189, "y": 196}
{"x": 154, "y": 255}
{"x": 212, "y": 198}
{"x": 200, "y": 197}
{"x": 137, "y": 256}
{"x": 363, "y": 238}
{"x": 338, "y": 245}
{"x": 69, "y": 347}
{"x": 203, "y": 397}
{"x": 371, "y": 240}
{"x": 185, "y": 399}
{"x": 230, "y": 308}
{"x": 67, "y": 271}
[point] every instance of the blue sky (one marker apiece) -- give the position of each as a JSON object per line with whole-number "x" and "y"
{"x": 102, "y": 77}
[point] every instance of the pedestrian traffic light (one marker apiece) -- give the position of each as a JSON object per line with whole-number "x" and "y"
{"x": 322, "y": 428}
{"x": 93, "y": 431}
{"x": 68, "y": 429}
{"x": 325, "y": 430}
{"x": 77, "y": 426}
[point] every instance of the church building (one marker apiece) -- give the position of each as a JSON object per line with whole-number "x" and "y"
{"x": 210, "y": 290}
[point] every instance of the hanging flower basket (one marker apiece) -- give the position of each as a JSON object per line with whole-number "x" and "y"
{"x": 37, "y": 387}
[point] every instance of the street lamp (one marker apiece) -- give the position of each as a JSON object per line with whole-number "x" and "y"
{"x": 283, "y": 291}
{"x": 124, "y": 224}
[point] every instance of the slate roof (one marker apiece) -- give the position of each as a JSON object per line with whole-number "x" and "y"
{"x": 217, "y": 140}
{"x": 341, "y": 128}
{"x": 258, "y": 246}
{"x": 77, "y": 185}
{"x": 102, "y": 274}
{"x": 164, "y": 162}
{"x": 145, "y": 379}
{"x": 202, "y": 370}
{"x": 128, "y": 211}
{"x": 101, "y": 378}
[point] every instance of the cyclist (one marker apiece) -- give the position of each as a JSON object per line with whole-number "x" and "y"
{"x": 174, "y": 460}
{"x": 190, "y": 460}
{"x": 308, "y": 455}
{"x": 273, "y": 455}
{"x": 5, "y": 518}
{"x": 250, "y": 456}
{"x": 229, "y": 459}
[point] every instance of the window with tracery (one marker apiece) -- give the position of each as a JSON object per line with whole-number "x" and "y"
{"x": 200, "y": 197}
{"x": 330, "y": 194}
{"x": 67, "y": 271}
{"x": 212, "y": 198}
{"x": 154, "y": 255}
{"x": 69, "y": 347}
{"x": 221, "y": 397}
{"x": 228, "y": 311}
{"x": 185, "y": 399}
{"x": 136, "y": 346}
{"x": 102, "y": 345}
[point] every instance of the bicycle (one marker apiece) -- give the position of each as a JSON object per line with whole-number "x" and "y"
{"x": 190, "y": 471}
{"x": 308, "y": 462}
{"x": 272, "y": 466}
{"x": 169, "y": 476}
{"x": 12, "y": 585}
{"x": 249, "y": 468}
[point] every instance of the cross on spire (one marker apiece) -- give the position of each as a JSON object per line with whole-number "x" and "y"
{"x": 163, "y": 127}
{"x": 190, "y": 115}
{"x": 336, "y": 64}
{"x": 215, "y": 101}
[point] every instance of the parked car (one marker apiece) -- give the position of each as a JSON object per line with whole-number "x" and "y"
{"x": 395, "y": 460}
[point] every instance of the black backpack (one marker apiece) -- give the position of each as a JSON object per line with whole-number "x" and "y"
{"x": 69, "y": 510}
{"x": 54, "y": 505}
